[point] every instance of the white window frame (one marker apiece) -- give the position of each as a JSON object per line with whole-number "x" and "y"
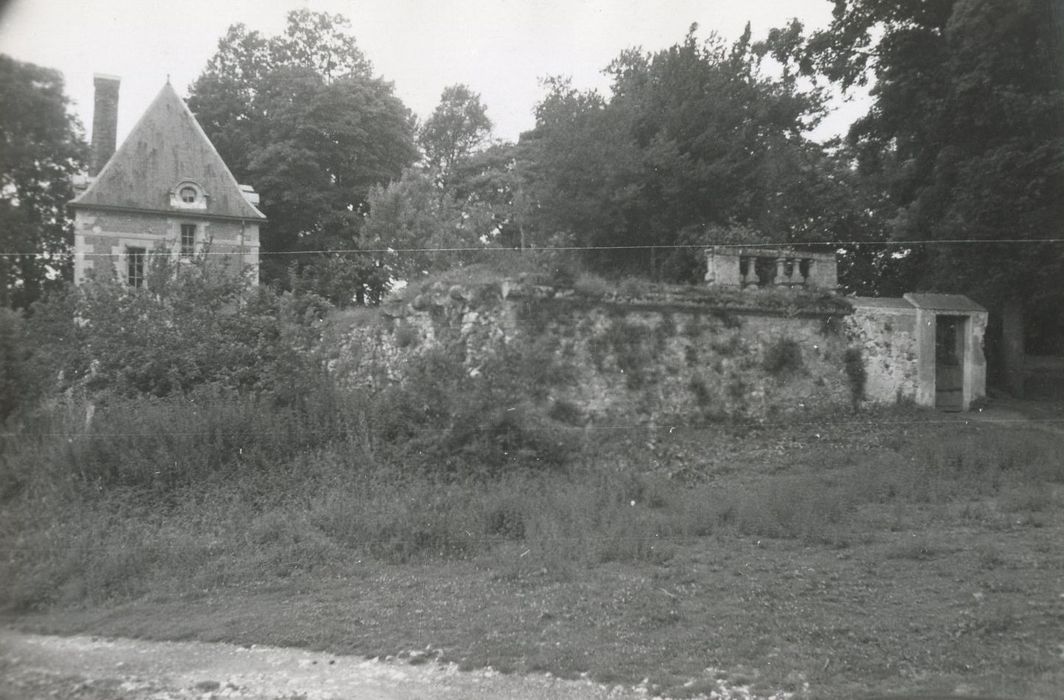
{"x": 177, "y": 197}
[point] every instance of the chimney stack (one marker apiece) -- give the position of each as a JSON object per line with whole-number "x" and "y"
{"x": 104, "y": 121}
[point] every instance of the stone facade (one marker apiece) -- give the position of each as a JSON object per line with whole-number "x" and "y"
{"x": 907, "y": 356}
{"x": 884, "y": 330}
{"x": 966, "y": 323}
{"x": 103, "y": 238}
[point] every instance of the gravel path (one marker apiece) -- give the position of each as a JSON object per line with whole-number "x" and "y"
{"x": 90, "y": 668}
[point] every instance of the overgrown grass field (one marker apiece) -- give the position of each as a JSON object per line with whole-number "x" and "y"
{"x": 897, "y": 550}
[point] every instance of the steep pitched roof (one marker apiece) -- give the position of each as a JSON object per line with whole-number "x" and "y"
{"x": 165, "y": 148}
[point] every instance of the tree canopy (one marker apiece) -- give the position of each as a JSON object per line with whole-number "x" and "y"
{"x": 449, "y": 204}
{"x": 458, "y": 126}
{"x": 965, "y": 138}
{"x": 302, "y": 118}
{"x": 695, "y": 137}
{"x": 41, "y": 149}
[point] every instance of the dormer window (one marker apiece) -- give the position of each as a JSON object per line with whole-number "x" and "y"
{"x": 188, "y": 195}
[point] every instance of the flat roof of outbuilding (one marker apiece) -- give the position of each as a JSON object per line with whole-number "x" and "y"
{"x": 944, "y": 302}
{"x": 881, "y": 303}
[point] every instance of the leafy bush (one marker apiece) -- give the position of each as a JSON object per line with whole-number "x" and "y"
{"x": 592, "y": 285}
{"x": 634, "y": 347}
{"x": 16, "y": 385}
{"x": 853, "y": 364}
{"x": 197, "y": 326}
{"x": 161, "y": 444}
{"x": 782, "y": 356}
{"x": 406, "y": 335}
{"x": 445, "y": 421}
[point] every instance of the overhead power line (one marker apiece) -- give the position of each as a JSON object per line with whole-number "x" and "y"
{"x": 577, "y": 248}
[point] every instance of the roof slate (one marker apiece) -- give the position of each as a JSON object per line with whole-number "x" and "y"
{"x": 166, "y": 147}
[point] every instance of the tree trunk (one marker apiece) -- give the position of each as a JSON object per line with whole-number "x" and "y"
{"x": 1012, "y": 343}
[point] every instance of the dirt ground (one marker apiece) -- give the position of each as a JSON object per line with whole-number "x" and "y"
{"x": 90, "y": 668}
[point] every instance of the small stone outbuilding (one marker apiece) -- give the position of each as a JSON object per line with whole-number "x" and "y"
{"x": 925, "y": 348}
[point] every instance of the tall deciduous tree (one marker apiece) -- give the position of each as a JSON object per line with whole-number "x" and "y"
{"x": 965, "y": 139}
{"x": 422, "y": 223}
{"x": 695, "y": 136}
{"x": 301, "y": 117}
{"x": 441, "y": 211}
{"x": 458, "y": 126}
{"x": 41, "y": 149}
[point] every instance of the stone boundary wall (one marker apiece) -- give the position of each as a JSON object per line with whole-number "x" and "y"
{"x": 679, "y": 356}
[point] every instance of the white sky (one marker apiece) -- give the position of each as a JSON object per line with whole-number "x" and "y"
{"x": 500, "y": 48}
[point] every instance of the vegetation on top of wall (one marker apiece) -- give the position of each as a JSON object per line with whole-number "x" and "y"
{"x": 484, "y": 284}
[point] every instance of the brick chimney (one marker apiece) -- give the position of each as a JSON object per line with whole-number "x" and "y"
{"x": 104, "y": 121}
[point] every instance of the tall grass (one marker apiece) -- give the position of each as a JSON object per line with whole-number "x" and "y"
{"x": 164, "y": 443}
{"x": 177, "y": 495}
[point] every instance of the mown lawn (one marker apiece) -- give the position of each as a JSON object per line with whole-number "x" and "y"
{"x": 891, "y": 551}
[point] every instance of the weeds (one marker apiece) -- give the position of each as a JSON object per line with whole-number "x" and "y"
{"x": 290, "y": 498}
{"x": 591, "y": 285}
{"x": 213, "y": 487}
{"x": 783, "y": 356}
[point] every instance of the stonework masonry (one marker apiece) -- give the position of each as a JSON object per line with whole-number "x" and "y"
{"x": 747, "y": 267}
{"x": 104, "y": 121}
{"x": 102, "y": 238}
{"x": 884, "y": 330}
{"x": 673, "y": 356}
{"x": 646, "y": 360}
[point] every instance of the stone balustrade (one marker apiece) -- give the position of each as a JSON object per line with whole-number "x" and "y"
{"x": 747, "y": 268}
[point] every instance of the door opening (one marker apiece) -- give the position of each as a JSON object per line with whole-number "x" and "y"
{"x": 949, "y": 362}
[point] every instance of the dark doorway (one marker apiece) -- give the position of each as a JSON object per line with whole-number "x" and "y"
{"x": 949, "y": 362}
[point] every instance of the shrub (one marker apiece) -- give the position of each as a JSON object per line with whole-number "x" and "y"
{"x": 444, "y": 421}
{"x": 634, "y": 347}
{"x": 161, "y": 444}
{"x": 406, "y": 335}
{"x": 853, "y": 364}
{"x": 632, "y": 287}
{"x": 592, "y": 285}
{"x": 197, "y": 328}
{"x": 782, "y": 356}
{"x": 16, "y": 384}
